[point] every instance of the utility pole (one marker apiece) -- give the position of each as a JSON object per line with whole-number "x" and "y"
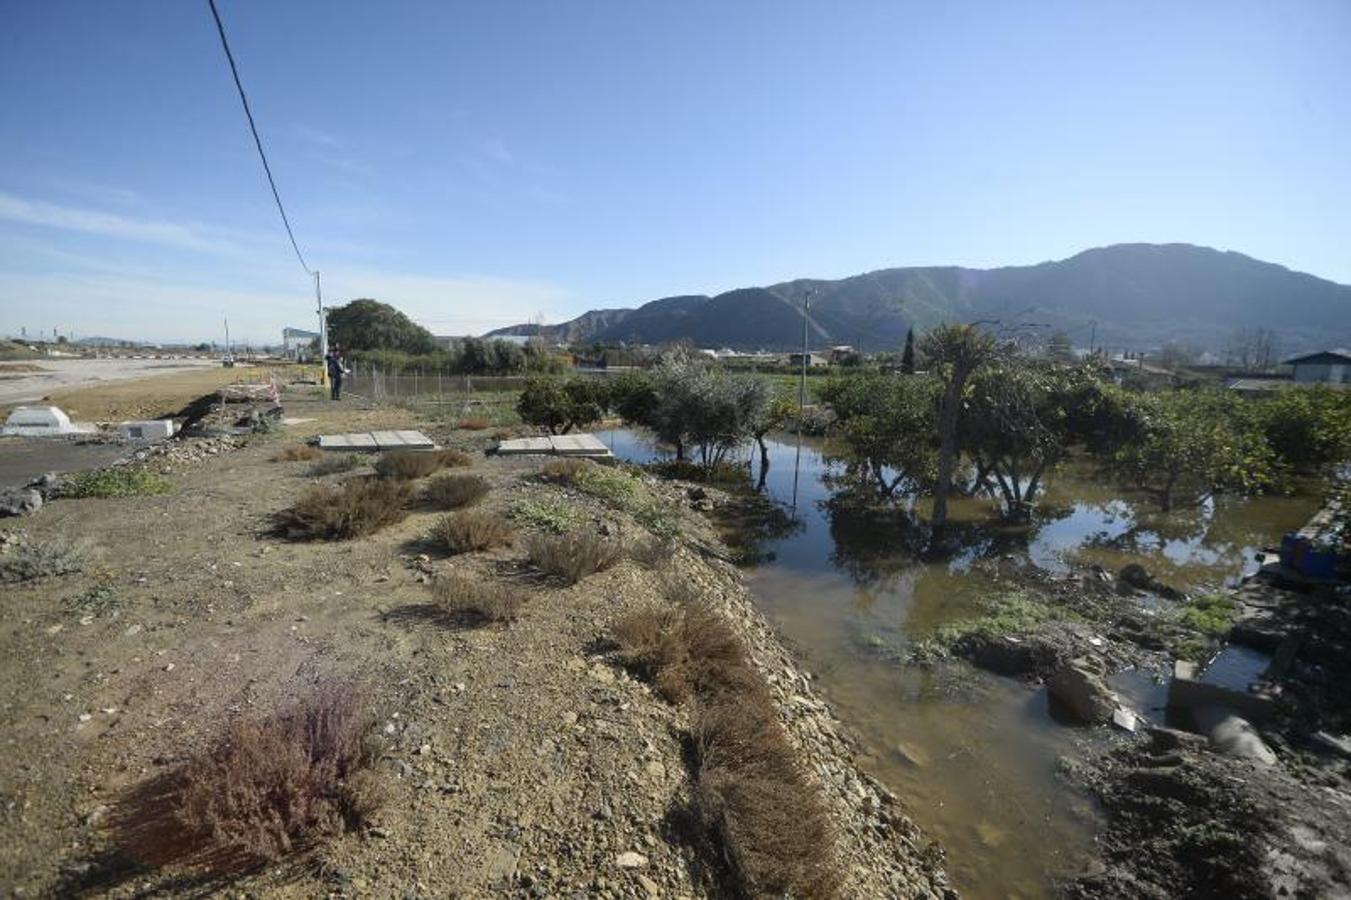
{"x": 323, "y": 330}
{"x": 802, "y": 386}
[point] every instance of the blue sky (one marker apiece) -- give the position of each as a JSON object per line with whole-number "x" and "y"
{"x": 482, "y": 164}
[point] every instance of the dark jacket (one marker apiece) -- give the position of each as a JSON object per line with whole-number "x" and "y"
{"x": 335, "y": 366}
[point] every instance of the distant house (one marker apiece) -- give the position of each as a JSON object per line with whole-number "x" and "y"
{"x": 813, "y": 359}
{"x": 1333, "y": 366}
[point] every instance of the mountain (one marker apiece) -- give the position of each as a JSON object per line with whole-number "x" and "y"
{"x": 1139, "y": 295}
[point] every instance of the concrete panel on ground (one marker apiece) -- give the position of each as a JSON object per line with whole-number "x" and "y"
{"x": 579, "y": 445}
{"x": 520, "y": 446}
{"x": 377, "y": 440}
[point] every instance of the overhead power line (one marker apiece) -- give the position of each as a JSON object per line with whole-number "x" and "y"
{"x": 272, "y": 183}
{"x": 234, "y": 70}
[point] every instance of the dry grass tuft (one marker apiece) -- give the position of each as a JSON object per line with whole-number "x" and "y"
{"x": 410, "y": 464}
{"x": 751, "y": 792}
{"x": 357, "y": 507}
{"x": 269, "y": 787}
{"x": 475, "y": 423}
{"x": 572, "y": 557}
{"x": 339, "y": 462}
{"x": 298, "y": 453}
{"x": 454, "y": 459}
{"x": 461, "y": 597}
{"x": 653, "y": 553}
{"x": 455, "y": 491}
{"x": 563, "y": 471}
{"x": 471, "y": 530}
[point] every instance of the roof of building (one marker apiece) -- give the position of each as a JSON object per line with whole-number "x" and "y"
{"x": 1259, "y": 384}
{"x": 1335, "y": 355}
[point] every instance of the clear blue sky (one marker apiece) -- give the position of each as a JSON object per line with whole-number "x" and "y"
{"x": 479, "y": 163}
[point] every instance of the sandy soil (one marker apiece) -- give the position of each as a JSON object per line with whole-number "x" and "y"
{"x": 520, "y": 761}
{"x": 127, "y": 382}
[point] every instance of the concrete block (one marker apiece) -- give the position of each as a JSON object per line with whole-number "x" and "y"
{"x": 38, "y": 421}
{"x": 147, "y": 430}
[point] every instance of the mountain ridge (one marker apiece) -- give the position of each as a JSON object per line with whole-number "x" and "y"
{"x": 1129, "y": 296}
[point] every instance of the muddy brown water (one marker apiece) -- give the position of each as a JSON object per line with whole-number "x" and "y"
{"x": 974, "y": 756}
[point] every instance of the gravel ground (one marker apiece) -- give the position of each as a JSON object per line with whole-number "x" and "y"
{"x": 519, "y": 760}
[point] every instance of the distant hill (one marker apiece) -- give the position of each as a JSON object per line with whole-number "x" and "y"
{"x": 1140, "y": 295}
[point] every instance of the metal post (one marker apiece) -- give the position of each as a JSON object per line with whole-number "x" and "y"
{"x": 323, "y": 330}
{"x": 802, "y": 386}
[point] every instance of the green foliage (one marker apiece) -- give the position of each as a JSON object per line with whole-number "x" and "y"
{"x": 908, "y": 354}
{"x": 547, "y": 514}
{"x": 1196, "y": 443}
{"x": 688, "y": 404}
{"x": 1013, "y": 613}
{"x": 1210, "y": 614}
{"x": 1308, "y": 427}
{"x": 623, "y": 491}
{"x": 120, "y": 481}
{"x": 888, "y": 426}
{"x": 97, "y": 599}
{"x": 371, "y": 325}
{"x": 558, "y": 405}
{"x": 32, "y": 560}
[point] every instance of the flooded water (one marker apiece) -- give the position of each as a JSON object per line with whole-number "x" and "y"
{"x": 974, "y": 756}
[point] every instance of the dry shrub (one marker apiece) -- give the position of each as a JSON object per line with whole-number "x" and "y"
{"x": 410, "y": 464}
{"x": 463, "y": 532}
{"x": 267, "y": 788}
{"x": 357, "y": 507}
{"x": 475, "y": 423}
{"x": 572, "y": 557}
{"x": 339, "y": 462}
{"x": 653, "y": 553}
{"x": 685, "y": 651}
{"x": 751, "y": 792}
{"x": 562, "y": 471}
{"x": 455, "y": 491}
{"x": 461, "y": 597}
{"x": 298, "y": 453}
{"x": 454, "y": 459}
{"x": 29, "y": 560}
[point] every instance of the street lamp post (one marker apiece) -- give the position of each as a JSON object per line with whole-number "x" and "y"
{"x": 802, "y": 385}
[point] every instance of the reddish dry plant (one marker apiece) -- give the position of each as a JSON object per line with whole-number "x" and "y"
{"x": 267, "y": 788}
{"x": 572, "y": 557}
{"x": 475, "y": 423}
{"x": 355, "y": 508}
{"x": 470, "y": 530}
{"x": 462, "y": 597}
{"x": 751, "y": 792}
{"x": 455, "y": 491}
{"x": 298, "y": 453}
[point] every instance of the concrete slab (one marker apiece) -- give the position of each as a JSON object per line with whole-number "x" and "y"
{"x": 377, "y": 440}
{"x": 521, "y": 446}
{"x": 578, "y": 445}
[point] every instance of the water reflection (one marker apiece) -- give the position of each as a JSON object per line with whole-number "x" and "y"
{"x": 974, "y": 756}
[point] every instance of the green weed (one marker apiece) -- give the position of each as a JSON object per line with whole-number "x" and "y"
{"x": 123, "y": 481}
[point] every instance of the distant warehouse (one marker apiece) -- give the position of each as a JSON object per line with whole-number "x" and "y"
{"x": 1332, "y": 366}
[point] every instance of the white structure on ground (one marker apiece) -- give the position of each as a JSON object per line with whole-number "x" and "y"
{"x": 147, "y": 430}
{"x": 40, "y": 421}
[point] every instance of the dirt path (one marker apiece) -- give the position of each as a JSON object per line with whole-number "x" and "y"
{"x": 519, "y": 760}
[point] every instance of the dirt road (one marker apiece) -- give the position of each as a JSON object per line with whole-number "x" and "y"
{"x": 59, "y": 377}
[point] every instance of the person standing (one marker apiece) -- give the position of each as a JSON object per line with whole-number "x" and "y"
{"x": 336, "y": 370}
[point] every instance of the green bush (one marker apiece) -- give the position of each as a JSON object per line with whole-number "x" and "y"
{"x": 558, "y": 406}
{"x": 121, "y": 481}
{"x": 549, "y": 514}
{"x": 32, "y": 560}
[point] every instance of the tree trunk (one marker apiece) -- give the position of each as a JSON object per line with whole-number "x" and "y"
{"x": 947, "y": 448}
